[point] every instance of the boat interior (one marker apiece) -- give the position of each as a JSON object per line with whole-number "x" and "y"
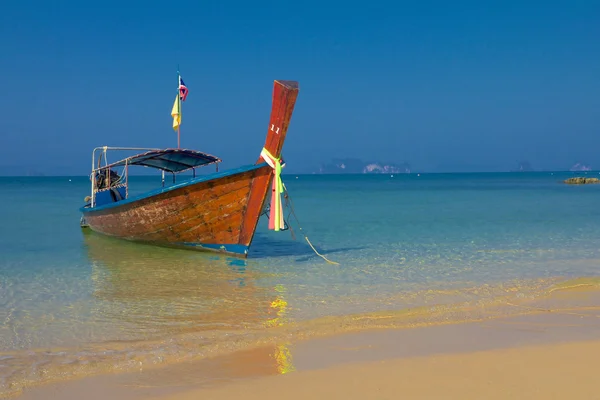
{"x": 110, "y": 186}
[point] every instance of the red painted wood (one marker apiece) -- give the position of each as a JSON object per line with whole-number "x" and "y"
{"x": 284, "y": 100}
{"x": 282, "y": 107}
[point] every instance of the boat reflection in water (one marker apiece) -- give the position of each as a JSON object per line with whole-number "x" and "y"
{"x": 145, "y": 292}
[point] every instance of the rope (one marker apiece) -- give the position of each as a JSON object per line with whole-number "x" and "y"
{"x": 279, "y": 222}
{"x": 293, "y": 212}
{"x": 317, "y": 253}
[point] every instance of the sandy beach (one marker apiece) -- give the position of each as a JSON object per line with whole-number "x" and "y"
{"x": 557, "y": 371}
{"x": 551, "y": 353}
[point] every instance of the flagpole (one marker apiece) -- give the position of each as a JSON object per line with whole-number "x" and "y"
{"x": 179, "y": 105}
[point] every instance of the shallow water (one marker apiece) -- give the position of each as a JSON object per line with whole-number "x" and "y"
{"x": 73, "y": 301}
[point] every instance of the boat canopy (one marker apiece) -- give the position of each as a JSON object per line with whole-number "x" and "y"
{"x": 169, "y": 160}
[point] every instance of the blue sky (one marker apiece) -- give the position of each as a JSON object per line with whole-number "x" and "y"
{"x": 437, "y": 84}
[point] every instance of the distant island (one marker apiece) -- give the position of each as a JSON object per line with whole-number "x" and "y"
{"x": 342, "y": 165}
{"x": 580, "y": 167}
{"x": 523, "y": 166}
{"x": 356, "y": 166}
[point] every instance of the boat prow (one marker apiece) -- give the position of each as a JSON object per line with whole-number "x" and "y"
{"x": 217, "y": 212}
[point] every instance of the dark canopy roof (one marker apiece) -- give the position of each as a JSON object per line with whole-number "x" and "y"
{"x": 170, "y": 160}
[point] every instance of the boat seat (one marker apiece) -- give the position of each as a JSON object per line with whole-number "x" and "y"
{"x": 112, "y": 195}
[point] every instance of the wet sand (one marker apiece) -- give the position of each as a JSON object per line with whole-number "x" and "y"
{"x": 551, "y": 353}
{"x": 557, "y": 371}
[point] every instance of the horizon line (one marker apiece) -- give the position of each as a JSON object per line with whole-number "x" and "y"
{"x": 319, "y": 173}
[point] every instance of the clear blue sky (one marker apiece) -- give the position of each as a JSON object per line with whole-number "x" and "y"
{"x": 434, "y": 83}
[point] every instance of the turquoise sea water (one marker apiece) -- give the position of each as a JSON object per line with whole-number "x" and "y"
{"x": 70, "y": 299}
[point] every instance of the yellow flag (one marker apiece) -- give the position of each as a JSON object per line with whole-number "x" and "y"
{"x": 176, "y": 113}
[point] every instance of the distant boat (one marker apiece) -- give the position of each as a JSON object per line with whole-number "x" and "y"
{"x": 215, "y": 212}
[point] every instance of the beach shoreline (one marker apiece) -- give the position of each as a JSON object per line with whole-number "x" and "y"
{"x": 393, "y": 360}
{"x": 565, "y": 370}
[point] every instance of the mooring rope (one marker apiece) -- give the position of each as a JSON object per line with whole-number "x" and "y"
{"x": 287, "y": 226}
{"x": 293, "y": 212}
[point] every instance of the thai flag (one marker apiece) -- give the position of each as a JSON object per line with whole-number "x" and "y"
{"x": 183, "y": 90}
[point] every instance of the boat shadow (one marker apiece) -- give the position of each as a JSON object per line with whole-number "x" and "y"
{"x": 262, "y": 247}
{"x": 265, "y": 247}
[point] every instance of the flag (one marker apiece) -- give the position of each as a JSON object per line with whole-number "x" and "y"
{"x": 176, "y": 113}
{"x": 183, "y": 90}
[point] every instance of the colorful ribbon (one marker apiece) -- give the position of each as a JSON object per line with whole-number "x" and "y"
{"x": 276, "y": 215}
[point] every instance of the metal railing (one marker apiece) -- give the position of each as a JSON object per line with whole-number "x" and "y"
{"x": 107, "y": 167}
{"x": 104, "y": 150}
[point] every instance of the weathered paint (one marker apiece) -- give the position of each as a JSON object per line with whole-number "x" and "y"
{"x": 283, "y": 102}
{"x": 204, "y": 178}
{"x": 206, "y": 212}
{"x": 217, "y": 212}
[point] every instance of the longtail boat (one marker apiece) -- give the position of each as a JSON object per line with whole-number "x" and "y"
{"x": 217, "y": 211}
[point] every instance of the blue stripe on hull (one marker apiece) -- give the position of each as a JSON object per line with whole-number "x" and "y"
{"x": 228, "y": 248}
{"x": 217, "y": 175}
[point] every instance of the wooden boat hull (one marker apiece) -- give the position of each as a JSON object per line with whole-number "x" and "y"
{"x": 217, "y": 212}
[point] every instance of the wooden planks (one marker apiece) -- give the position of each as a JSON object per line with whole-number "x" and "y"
{"x": 209, "y": 212}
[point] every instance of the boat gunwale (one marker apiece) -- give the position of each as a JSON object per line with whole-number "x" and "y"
{"x": 155, "y": 192}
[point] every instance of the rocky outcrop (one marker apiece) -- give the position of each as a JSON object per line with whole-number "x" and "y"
{"x": 581, "y": 180}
